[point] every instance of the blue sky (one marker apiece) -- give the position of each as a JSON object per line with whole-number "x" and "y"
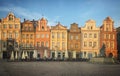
{"x": 64, "y": 11}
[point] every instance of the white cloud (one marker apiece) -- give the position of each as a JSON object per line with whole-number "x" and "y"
{"x": 53, "y": 21}
{"x": 27, "y": 14}
{"x": 117, "y": 23}
{"x": 22, "y": 12}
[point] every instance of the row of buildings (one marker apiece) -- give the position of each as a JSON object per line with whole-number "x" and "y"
{"x": 35, "y": 39}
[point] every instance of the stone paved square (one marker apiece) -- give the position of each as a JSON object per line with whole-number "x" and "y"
{"x": 58, "y": 69}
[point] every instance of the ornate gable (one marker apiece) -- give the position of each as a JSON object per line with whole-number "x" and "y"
{"x": 11, "y": 17}
{"x": 59, "y": 26}
{"x": 108, "y": 24}
{"x": 74, "y": 28}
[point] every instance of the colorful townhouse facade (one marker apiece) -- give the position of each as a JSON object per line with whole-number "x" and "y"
{"x": 90, "y": 40}
{"x": 108, "y": 37}
{"x": 42, "y": 40}
{"x": 74, "y": 41}
{"x": 58, "y": 42}
{"x": 27, "y": 39}
{"x": 10, "y": 36}
{"x": 35, "y": 39}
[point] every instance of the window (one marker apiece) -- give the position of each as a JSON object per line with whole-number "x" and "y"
{"x": 71, "y": 46}
{"x": 107, "y": 36}
{"x": 112, "y": 45}
{"x": 10, "y": 35}
{"x": 16, "y": 26}
{"x": 91, "y": 27}
{"x": 53, "y": 45}
{"x": 23, "y": 36}
{"x": 76, "y": 45}
{"x": 42, "y": 43}
{"x": 71, "y": 37}
{"x": 4, "y": 34}
{"x": 58, "y": 44}
{"x": 85, "y": 35}
{"x": 31, "y": 36}
{"x": 76, "y": 37}
{"x": 63, "y": 45}
{"x": 27, "y": 44}
{"x": 42, "y": 28}
{"x": 107, "y": 29}
{"x": 53, "y": 35}
{"x": 42, "y": 35}
{"x": 112, "y": 36}
{"x": 16, "y": 35}
{"x": 85, "y": 44}
{"x": 4, "y": 26}
{"x": 58, "y": 35}
{"x": 46, "y": 44}
{"x": 95, "y": 35}
{"x": 29, "y": 28}
{"x": 107, "y": 44}
{"x": 88, "y": 27}
{"x": 94, "y": 44}
{"x": 90, "y": 35}
{"x": 47, "y": 36}
{"x": 10, "y": 17}
{"x": 27, "y": 36}
{"x": 23, "y": 44}
{"x": 10, "y": 26}
{"x": 25, "y": 28}
{"x": 37, "y": 36}
{"x": 4, "y": 44}
{"x": 16, "y": 44}
{"x": 31, "y": 44}
{"x": 38, "y": 44}
{"x": 90, "y": 44}
{"x": 63, "y": 35}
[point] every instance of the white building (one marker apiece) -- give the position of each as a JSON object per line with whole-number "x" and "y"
{"x": 90, "y": 39}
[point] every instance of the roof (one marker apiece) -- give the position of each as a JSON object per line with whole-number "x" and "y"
{"x": 91, "y": 20}
{"x": 109, "y": 18}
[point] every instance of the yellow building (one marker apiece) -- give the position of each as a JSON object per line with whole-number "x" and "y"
{"x": 10, "y": 36}
{"x": 27, "y": 39}
{"x": 58, "y": 42}
{"x": 90, "y": 39}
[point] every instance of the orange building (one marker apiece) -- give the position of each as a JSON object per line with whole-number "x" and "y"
{"x": 42, "y": 41}
{"x": 108, "y": 37}
{"x": 27, "y": 38}
{"x": 10, "y": 36}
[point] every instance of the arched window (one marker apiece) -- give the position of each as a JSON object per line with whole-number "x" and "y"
{"x": 42, "y": 27}
{"x": 90, "y": 35}
{"x": 85, "y": 35}
{"x": 95, "y": 35}
{"x": 91, "y": 27}
{"x": 47, "y": 44}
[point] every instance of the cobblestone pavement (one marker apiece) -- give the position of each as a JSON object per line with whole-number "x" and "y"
{"x": 57, "y": 69}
